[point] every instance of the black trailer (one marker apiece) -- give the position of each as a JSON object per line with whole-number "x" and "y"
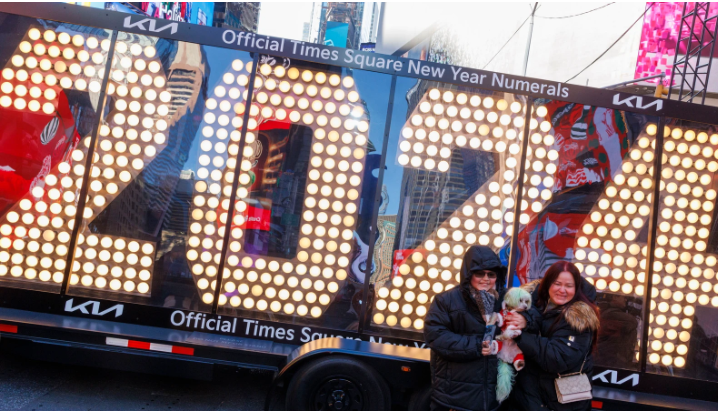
{"x": 176, "y": 198}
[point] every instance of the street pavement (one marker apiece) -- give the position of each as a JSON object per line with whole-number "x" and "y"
{"x": 27, "y": 384}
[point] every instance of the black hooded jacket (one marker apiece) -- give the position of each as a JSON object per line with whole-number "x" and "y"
{"x": 461, "y": 378}
{"x": 554, "y": 344}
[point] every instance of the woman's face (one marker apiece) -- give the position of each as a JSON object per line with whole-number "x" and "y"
{"x": 563, "y": 289}
{"x": 483, "y": 280}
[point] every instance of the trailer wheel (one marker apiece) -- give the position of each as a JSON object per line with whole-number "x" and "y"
{"x": 420, "y": 399}
{"x": 337, "y": 383}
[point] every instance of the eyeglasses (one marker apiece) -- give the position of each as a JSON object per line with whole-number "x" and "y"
{"x": 484, "y": 273}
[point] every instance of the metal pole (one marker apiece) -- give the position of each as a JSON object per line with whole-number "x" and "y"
{"x": 528, "y": 42}
{"x": 365, "y": 310}
{"x": 676, "y": 62}
{"x": 82, "y": 200}
{"x": 235, "y": 184}
{"x": 652, "y": 228}
{"x": 636, "y": 80}
{"x": 699, "y": 48}
{"x": 710, "y": 59}
{"x": 513, "y": 251}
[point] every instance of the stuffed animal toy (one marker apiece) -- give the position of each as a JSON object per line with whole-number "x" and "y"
{"x": 510, "y": 356}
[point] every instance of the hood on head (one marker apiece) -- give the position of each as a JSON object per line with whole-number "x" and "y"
{"x": 483, "y": 258}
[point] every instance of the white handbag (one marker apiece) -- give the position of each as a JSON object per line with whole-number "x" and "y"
{"x": 573, "y": 387}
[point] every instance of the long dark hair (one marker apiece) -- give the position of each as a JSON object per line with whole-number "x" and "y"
{"x": 550, "y": 277}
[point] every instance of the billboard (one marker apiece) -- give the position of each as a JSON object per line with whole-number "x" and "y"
{"x": 336, "y": 34}
{"x": 189, "y": 12}
{"x": 659, "y": 37}
{"x": 202, "y": 13}
{"x": 368, "y": 47}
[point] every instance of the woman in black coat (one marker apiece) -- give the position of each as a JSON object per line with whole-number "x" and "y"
{"x": 463, "y": 371}
{"x": 559, "y": 334}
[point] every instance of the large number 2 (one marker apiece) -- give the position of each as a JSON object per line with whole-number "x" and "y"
{"x": 444, "y": 123}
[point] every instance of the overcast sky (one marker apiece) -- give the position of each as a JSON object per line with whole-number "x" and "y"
{"x": 284, "y": 19}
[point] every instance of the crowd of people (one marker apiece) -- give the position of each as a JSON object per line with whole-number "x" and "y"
{"x": 554, "y": 338}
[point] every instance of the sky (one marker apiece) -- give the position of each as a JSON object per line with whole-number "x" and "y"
{"x": 284, "y": 19}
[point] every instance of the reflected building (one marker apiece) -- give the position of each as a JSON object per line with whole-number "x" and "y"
{"x": 384, "y": 249}
{"x": 143, "y": 209}
{"x": 429, "y": 198}
{"x": 343, "y": 12}
{"x": 242, "y": 16}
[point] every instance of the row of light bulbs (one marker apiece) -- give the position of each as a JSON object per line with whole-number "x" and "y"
{"x": 221, "y": 127}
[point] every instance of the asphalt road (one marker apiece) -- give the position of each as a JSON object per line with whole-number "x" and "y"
{"x": 27, "y": 384}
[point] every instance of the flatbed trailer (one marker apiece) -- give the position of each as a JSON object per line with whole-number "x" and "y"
{"x": 362, "y": 179}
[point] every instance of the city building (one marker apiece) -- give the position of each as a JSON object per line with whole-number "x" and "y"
{"x": 340, "y": 24}
{"x": 144, "y": 205}
{"x": 384, "y": 249}
{"x": 370, "y": 22}
{"x": 306, "y": 31}
{"x": 314, "y": 22}
{"x": 242, "y": 16}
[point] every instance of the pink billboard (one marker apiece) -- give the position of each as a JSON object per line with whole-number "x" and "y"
{"x": 660, "y": 35}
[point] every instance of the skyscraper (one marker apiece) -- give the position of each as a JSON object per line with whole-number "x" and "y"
{"x": 242, "y": 16}
{"x": 144, "y": 205}
{"x": 428, "y": 198}
{"x": 348, "y": 13}
{"x": 370, "y": 22}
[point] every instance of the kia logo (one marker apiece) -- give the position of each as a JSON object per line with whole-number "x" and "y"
{"x": 637, "y": 102}
{"x": 151, "y": 27}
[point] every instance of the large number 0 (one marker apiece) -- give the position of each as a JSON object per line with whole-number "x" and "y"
{"x": 305, "y": 284}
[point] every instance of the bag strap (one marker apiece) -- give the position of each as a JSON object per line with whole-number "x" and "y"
{"x": 580, "y": 371}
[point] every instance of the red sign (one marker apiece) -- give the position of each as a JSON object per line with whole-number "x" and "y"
{"x": 400, "y": 257}
{"x": 256, "y": 218}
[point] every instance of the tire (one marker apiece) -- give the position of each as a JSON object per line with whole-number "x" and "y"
{"x": 337, "y": 383}
{"x": 420, "y": 400}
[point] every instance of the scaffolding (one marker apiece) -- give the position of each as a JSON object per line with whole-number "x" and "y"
{"x": 696, "y": 35}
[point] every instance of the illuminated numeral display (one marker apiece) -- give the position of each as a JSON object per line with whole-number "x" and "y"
{"x": 330, "y": 104}
{"x": 684, "y": 270}
{"x": 36, "y": 231}
{"x": 147, "y": 97}
{"x": 443, "y": 121}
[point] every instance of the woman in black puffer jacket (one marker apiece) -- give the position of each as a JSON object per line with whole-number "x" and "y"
{"x": 463, "y": 373}
{"x": 559, "y": 334}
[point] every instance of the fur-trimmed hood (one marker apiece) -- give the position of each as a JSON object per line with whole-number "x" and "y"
{"x": 581, "y": 317}
{"x": 531, "y": 286}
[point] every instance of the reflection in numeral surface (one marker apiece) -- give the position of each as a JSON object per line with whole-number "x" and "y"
{"x": 36, "y": 230}
{"x": 442, "y": 122}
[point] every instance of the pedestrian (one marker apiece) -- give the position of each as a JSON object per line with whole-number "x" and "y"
{"x": 459, "y": 328}
{"x": 558, "y": 337}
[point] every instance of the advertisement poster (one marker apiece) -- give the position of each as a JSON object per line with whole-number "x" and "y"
{"x": 202, "y": 13}
{"x": 336, "y": 34}
{"x": 189, "y": 12}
